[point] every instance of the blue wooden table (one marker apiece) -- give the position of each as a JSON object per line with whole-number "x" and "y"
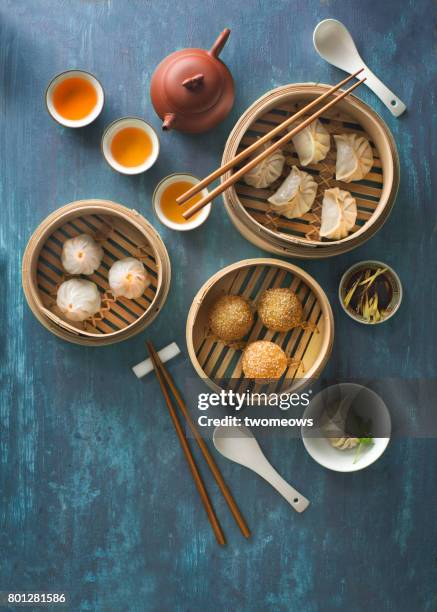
{"x": 96, "y": 499}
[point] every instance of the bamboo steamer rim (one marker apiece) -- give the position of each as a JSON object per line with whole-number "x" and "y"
{"x": 269, "y": 100}
{"x": 256, "y": 237}
{"x": 77, "y": 338}
{"x": 69, "y": 212}
{"x": 325, "y": 306}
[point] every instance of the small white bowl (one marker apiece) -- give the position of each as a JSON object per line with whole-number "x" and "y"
{"x": 392, "y": 278}
{"x": 120, "y": 124}
{"x": 192, "y": 223}
{"x": 370, "y": 405}
{"x": 75, "y": 123}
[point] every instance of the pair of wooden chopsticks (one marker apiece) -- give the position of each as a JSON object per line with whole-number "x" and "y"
{"x": 258, "y": 143}
{"x": 167, "y": 384}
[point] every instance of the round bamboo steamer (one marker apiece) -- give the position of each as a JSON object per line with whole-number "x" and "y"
{"x": 219, "y": 365}
{"x": 375, "y": 195}
{"x": 123, "y": 233}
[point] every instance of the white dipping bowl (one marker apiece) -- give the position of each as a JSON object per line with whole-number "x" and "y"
{"x": 190, "y": 224}
{"x": 120, "y": 124}
{"x": 75, "y": 123}
{"x": 320, "y": 448}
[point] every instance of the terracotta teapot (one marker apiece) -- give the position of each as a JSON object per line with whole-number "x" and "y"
{"x": 192, "y": 90}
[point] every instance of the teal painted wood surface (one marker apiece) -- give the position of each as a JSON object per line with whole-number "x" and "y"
{"x": 96, "y": 499}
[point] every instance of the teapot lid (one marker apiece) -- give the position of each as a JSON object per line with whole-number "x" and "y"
{"x": 193, "y": 81}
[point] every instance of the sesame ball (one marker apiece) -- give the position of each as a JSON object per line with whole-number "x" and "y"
{"x": 230, "y": 318}
{"x": 264, "y": 360}
{"x": 280, "y": 309}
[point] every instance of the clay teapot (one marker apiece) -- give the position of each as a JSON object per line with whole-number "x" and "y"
{"x": 192, "y": 90}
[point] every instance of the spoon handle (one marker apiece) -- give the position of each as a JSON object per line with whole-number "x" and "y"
{"x": 392, "y": 102}
{"x": 297, "y": 501}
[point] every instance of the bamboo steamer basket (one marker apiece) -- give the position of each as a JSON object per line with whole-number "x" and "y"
{"x": 122, "y": 232}
{"x": 219, "y": 365}
{"x": 375, "y": 195}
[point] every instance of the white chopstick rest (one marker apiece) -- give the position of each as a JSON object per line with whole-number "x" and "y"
{"x": 165, "y": 354}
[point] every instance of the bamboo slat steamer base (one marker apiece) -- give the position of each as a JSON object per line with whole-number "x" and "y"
{"x": 122, "y": 233}
{"x": 375, "y": 195}
{"x": 220, "y": 365}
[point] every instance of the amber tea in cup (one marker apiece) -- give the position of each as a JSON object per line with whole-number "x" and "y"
{"x": 130, "y": 145}
{"x": 169, "y": 212}
{"x": 74, "y": 98}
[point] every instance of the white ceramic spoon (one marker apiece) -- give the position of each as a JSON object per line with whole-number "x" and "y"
{"x": 238, "y": 444}
{"x": 334, "y": 43}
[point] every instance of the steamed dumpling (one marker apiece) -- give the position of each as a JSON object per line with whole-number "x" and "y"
{"x": 81, "y": 255}
{"x": 339, "y": 213}
{"x": 128, "y": 278}
{"x": 312, "y": 143}
{"x": 267, "y": 171}
{"x": 354, "y": 157}
{"x": 78, "y": 299}
{"x": 344, "y": 443}
{"x": 296, "y": 195}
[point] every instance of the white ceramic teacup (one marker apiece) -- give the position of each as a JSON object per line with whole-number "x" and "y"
{"x": 120, "y": 124}
{"x": 75, "y": 123}
{"x": 190, "y": 224}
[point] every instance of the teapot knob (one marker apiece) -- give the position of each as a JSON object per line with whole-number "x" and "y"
{"x": 220, "y": 43}
{"x": 193, "y": 82}
{"x": 169, "y": 119}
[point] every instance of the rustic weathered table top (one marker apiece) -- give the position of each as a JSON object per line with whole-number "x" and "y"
{"x": 96, "y": 499}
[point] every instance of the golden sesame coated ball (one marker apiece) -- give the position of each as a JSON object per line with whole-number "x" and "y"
{"x": 230, "y": 318}
{"x": 280, "y": 309}
{"x": 264, "y": 360}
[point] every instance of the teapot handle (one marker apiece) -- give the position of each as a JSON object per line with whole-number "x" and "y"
{"x": 220, "y": 43}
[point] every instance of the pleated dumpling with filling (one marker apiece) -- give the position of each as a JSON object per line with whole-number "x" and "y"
{"x": 81, "y": 255}
{"x": 354, "y": 157}
{"x": 312, "y": 144}
{"x": 295, "y": 196}
{"x": 268, "y": 170}
{"x": 128, "y": 278}
{"x": 339, "y": 213}
{"x": 78, "y": 299}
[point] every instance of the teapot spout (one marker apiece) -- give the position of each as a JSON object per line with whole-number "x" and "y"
{"x": 220, "y": 43}
{"x": 169, "y": 119}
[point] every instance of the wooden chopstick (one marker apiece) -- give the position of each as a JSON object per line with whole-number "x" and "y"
{"x": 276, "y": 145}
{"x": 202, "y": 445}
{"x": 188, "y": 455}
{"x": 253, "y": 147}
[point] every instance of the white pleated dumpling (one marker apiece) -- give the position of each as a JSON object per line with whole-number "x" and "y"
{"x": 354, "y": 157}
{"x": 128, "y": 278}
{"x": 295, "y": 196}
{"x": 81, "y": 255}
{"x": 339, "y": 213}
{"x": 312, "y": 144}
{"x": 78, "y": 299}
{"x": 267, "y": 171}
{"x": 344, "y": 443}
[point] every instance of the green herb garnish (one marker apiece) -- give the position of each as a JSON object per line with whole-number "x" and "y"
{"x": 363, "y": 442}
